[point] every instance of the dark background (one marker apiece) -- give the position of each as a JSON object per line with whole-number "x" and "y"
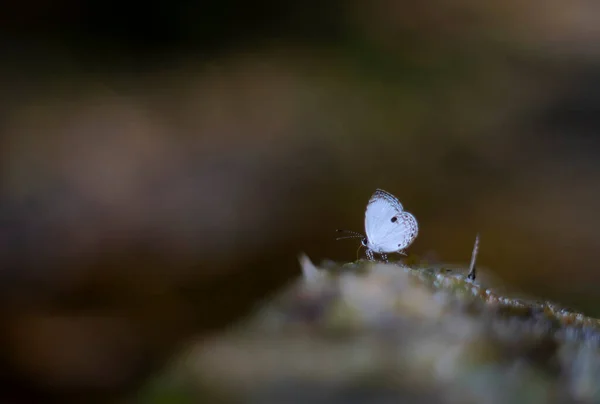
{"x": 163, "y": 164}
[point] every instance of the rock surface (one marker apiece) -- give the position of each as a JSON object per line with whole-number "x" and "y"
{"x": 386, "y": 333}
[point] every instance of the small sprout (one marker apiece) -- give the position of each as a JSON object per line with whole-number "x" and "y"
{"x": 472, "y": 268}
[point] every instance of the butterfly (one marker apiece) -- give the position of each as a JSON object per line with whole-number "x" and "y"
{"x": 389, "y": 228}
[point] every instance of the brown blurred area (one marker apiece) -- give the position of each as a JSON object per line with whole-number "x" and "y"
{"x": 163, "y": 165}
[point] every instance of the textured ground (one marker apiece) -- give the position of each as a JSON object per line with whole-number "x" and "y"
{"x": 381, "y": 333}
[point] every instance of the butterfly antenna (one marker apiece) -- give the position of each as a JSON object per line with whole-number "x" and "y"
{"x": 353, "y": 234}
{"x": 472, "y": 268}
{"x": 345, "y": 237}
{"x": 350, "y": 231}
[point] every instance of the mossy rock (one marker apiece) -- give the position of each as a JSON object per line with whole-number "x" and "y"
{"x": 375, "y": 332}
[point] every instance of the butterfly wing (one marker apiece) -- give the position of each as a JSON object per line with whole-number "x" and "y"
{"x": 388, "y": 227}
{"x": 381, "y": 208}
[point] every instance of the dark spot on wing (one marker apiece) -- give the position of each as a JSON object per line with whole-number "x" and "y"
{"x": 394, "y": 219}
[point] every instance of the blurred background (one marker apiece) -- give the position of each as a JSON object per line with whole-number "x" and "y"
{"x": 163, "y": 164}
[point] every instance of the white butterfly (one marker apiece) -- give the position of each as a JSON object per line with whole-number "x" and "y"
{"x": 389, "y": 228}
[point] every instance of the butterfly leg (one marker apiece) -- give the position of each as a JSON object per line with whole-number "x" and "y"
{"x": 384, "y": 257}
{"x": 370, "y": 255}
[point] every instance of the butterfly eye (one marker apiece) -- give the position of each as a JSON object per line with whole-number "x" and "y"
{"x": 364, "y": 241}
{"x": 394, "y": 219}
